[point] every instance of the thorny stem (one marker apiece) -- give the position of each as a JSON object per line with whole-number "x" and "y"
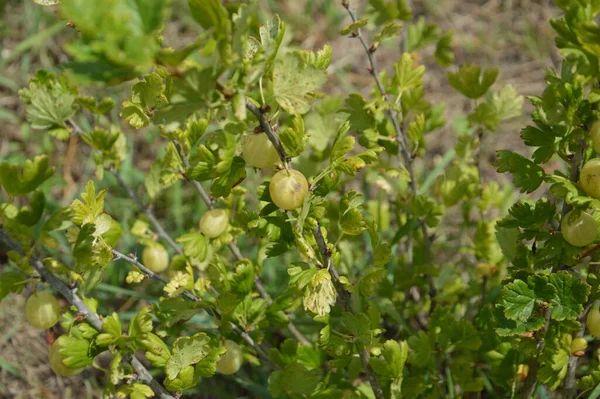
{"x": 345, "y": 299}
{"x": 188, "y": 295}
{"x": 342, "y": 294}
{"x": 165, "y": 236}
{"x": 149, "y": 213}
{"x": 570, "y": 390}
{"x": 404, "y": 151}
{"x": 531, "y": 380}
{"x": 70, "y": 294}
{"x": 268, "y": 130}
{"x": 237, "y": 254}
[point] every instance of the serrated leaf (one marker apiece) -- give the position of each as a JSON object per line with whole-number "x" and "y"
{"x": 408, "y": 76}
{"x": 111, "y": 330}
{"x": 295, "y": 85}
{"x": 571, "y": 295}
{"x": 294, "y": 379}
{"x": 527, "y": 175}
{"x": 358, "y": 326}
{"x": 519, "y": 300}
{"x": 187, "y": 351}
{"x": 90, "y": 206}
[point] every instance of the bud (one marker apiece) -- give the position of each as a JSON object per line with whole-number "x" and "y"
{"x": 522, "y": 372}
{"x": 578, "y": 345}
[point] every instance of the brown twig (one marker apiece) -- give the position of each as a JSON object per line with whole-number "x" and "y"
{"x": 346, "y": 303}
{"x": 189, "y": 295}
{"x": 569, "y": 388}
{"x": 237, "y": 254}
{"x": 268, "y": 130}
{"x": 404, "y": 152}
{"x": 70, "y": 294}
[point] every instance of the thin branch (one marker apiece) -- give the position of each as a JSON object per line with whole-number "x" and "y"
{"x": 268, "y": 130}
{"x": 569, "y": 388}
{"x": 345, "y": 299}
{"x": 164, "y": 235}
{"x": 531, "y": 380}
{"x": 157, "y": 226}
{"x": 70, "y": 294}
{"x": 237, "y": 254}
{"x": 404, "y": 152}
{"x": 189, "y": 295}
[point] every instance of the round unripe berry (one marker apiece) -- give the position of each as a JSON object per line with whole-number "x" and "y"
{"x": 595, "y": 135}
{"x": 42, "y": 310}
{"x": 56, "y": 359}
{"x": 155, "y": 258}
{"x": 258, "y": 151}
{"x": 593, "y": 321}
{"x": 231, "y": 361}
{"x": 579, "y": 230}
{"x": 589, "y": 178}
{"x": 288, "y": 189}
{"x": 214, "y": 223}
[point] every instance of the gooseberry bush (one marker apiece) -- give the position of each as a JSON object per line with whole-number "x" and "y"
{"x": 333, "y": 255}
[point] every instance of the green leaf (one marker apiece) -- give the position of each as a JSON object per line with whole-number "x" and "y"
{"x": 75, "y": 351}
{"x": 389, "y": 30}
{"x": 141, "y": 324}
{"x": 293, "y": 138}
{"x": 359, "y": 115}
{"x": 527, "y": 175}
{"x": 157, "y": 351}
{"x": 294, "y": 379}
{"x": 111, "y": 330}
{"x": 508, "y": 103}
{"x": 211, "y": 14}
{"x": 416, "y": 129}
{"x": 395, "y": 355}
{"x": 420, "y": 34}
{"x": 295, "y": 85}
{"x": 187, "y": 351}
{"x": 11, "y": 282}
{"x": 19, "y": 182}
{"x": 30, "y": 215}
{"x": 485, "y": 115}
{"x": 408, "y": 76}
{"x": 50, "y": 102}
{"x": 135, "y": 391}
{"x": 443, "y": 50}
{"x": 519, "y": 300}
{"x": 89, "y": 207}
{"x": 423, "y": 350}
{"x": 351, "y": 216}
{"x": 320, "y": 59}
{"x": 471, "y": 82}
{"x": 271, "y": 36}
{"x": 571, "y": 295}
{"x": 222, "y": 186}
{"x": 194, "y": 246}
{"x": 358, "y": 326}
{"x": 354, "y": 26}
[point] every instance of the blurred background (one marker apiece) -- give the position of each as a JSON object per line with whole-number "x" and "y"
{"x": 513, "y": 35}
